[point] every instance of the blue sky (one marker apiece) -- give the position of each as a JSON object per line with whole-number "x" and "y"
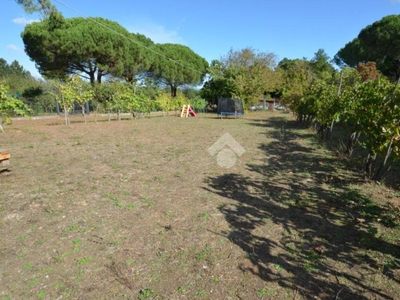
{"x": 288, "y": 28}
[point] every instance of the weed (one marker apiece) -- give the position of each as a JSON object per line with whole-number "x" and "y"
{"x": 391, "y": 218}
{"x": 118, "y": 203}
{"x": 40, "y": 242}
{"x": 291, "y": 248}
{"x": 310, "y": 267}
{"x": 60, "y": 258}
{"x": 181, "y": 289}
{"x": 369, "y": 239}
{"x": 75, "y": 137}
{"x": 261, "y": 293}
{"x": 32, "y": 282}
{"x": 204, "y": 216}
{"x": 201, "y": 293}
{"x": 59, "y": 286}
{"x": 145, "y": 198}
{"x": 158, "y": 178}
{"x": 80, "y": 276}
{"x": 28, "y": 266}
{"x": 313, "y": 256}
{"x": 130, "y": 206}
{"x": 179, "y": 174}
{"x": 203, "y": 253}
{"x": 84, "y": 260}
{"x": 145, "y": 293}
{"x": 116, "y": 166}
{"x": 271, "y": 294}
{"x": 150, "y": 204}
{"x": 22, "y": 238}
{"x": 73, "y": 227}
{"x": 76, "y": 243}
{"x": 114, "y": 244}
{"x": 288, "y": 231}
{"x": 129, "y": 262}
{"x": 48, "y": 270}
{"x": 41, "y": 295}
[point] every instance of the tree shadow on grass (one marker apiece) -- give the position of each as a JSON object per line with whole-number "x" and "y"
{"x": 298, "y": 211}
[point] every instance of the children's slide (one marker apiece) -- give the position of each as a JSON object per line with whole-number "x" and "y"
{"x": 191, "y": 112}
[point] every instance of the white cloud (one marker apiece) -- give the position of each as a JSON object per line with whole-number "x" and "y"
{"x": 13, "y": 47}
{"x": 24, "y": 21}
{"x": 157, "y": 33}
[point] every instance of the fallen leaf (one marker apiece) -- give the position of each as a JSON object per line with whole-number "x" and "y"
{"x": 319, "y": 249}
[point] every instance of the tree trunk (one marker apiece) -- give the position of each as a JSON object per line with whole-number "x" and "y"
{"x": 320, "y": 131}
{"x": 173, "y": 91}
{"x": 92, "y": 78}
{"x": 368, "y": 164}
{"x": 381, "y": 170}
{"x": 66, "y": 116}
{"x": 96, "y": 112}
{"x": 87, "y": 108}
{"x": 329, "y": 134}
{"x": 84, "y": 113}
{"x": 99, "y": 75}
{"x": 352, "y": 142}
{"x": 57, "y": 107}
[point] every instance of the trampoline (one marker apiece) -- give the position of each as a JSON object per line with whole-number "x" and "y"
{"x": 229, "y": 106}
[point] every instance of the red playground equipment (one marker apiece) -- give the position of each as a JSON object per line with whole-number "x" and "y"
{"x": 186, "y": 111}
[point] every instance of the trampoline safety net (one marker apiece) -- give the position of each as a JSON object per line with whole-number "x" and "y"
{"x": 229, "y": 106}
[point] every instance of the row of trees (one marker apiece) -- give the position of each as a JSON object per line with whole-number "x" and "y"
{"x": 98, "y": 49}
{"x": 379, "y": 43}
{"x": 362, "y": 97}
{"x": 365, "y": 105}
{"x": 118, "y": 97}
{"x": 22, "y": 85}
{"x": 251, "y": 75}
{"x": 10, "y": 106}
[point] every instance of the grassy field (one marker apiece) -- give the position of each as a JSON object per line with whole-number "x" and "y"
{"x": 139, "y": 209}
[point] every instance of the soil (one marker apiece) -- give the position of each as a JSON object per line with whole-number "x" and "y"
{"x": 140, "y": 209}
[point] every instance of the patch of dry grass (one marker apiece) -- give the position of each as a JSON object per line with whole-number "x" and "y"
{"x": 139, "y": 209}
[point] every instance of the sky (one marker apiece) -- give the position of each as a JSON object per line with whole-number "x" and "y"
{"x": 288, "y": 28}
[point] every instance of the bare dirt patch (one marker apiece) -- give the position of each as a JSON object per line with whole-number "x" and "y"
{"x": 139, "y": 209}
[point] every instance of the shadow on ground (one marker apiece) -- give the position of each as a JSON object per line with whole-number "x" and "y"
{"x": 299, "y": 213}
